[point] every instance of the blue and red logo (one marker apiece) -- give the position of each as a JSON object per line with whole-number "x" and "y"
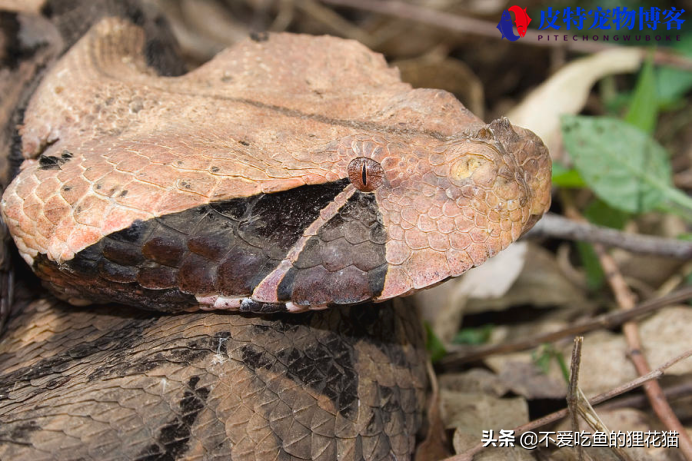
{"x": 505, "y": 25}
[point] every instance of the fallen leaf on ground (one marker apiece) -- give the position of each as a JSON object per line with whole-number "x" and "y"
{"x": 664, "y": 335}
{"x": 566, "y": 91}
{"x": 473, "y": 413}
{"x": 464, "y": 441}
{"x": 445, "y": 304}
{"x": 522, "y": 376}
{"x": 474, "y": 380}
{"x": 668, "y": 334}
{"x": 624, "y": 420}
{"x": 541, "y": 283}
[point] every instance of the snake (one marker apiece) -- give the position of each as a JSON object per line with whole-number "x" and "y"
{"x": 227, "y": 250}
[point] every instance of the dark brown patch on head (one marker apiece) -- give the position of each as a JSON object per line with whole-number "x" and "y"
{"x": 222, "y": 248}
{"x": 345, "y": 262}
{"x": 157, "y": 277}
{"x": 166, "y": 248}
{"x": 116, "y": 273}
{"x": 196, "y": 275}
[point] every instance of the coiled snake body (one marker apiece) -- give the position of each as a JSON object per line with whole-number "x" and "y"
{"x": 289, "y": 173}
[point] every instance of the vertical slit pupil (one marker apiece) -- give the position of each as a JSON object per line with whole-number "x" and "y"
{"x": 364, "y": 178}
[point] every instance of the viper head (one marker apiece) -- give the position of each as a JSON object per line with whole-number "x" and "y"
{"x": 451, "y": 207}
{"x": 297, "y": 171}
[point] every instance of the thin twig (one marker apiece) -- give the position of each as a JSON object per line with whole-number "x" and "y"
{"x": 654, "y": 392}
{"x": 637, "y": 401}
{"x": 572, "y": 396}
{"x": 605, "y": 321}
{"x": 550, "y": 418}
{"x": 579, "y": 404}
{"x": 435, "y": 444}
{"x": 556, "y": 226}
{"x": 592, "y": 418}
{"x": 626, "y": 300}
{"x": 334, "y": 22}
{"x": 475, "y": 26}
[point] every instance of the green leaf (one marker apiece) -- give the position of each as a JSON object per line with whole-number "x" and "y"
{"x": 594, "y": 273}
{"x": 599, "y": 213}
{"x": 644, "y": 106}
{"x": 566, "y": 177}
{"x": 684, "y": 46}
{"x": 671, "y": 85}
{"x": 473, "y": 335}
{"x": 434, "y": 345}
{"x": 563, "y": 366}
{"x": 543, "y": 355}
{"x": 624, "y": 166}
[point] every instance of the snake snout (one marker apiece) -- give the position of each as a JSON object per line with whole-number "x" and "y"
{"x": 530, "y": 160}
{"x": 533, "y": 157}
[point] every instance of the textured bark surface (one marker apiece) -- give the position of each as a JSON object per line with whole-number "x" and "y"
{"x": 119, "y": 383}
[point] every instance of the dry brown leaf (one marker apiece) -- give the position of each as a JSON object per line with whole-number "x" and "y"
{"x": 624, "y": 420}
{"x": 570, "y": 454}
{"x": 540, "y": 284}
{"x": 445, "y": 305}
{"x": 435, "y": 444}
{"x": 521, "y": 375}
{"x": 474, "y": 380}
{"x": 464, "y": 441}
{"x": 22, "y": 6}
{"x": 603, "y": 351}
{"x": 566, "y": 91}
{"x": 474, "y": 412}
{"x": 648, "y": 269}
{"x": 666, "y": 335}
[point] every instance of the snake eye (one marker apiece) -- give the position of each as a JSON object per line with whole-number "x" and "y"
{"x": 365, "y": 174}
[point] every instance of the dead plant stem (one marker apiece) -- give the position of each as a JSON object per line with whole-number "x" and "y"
{"x": 550, "y": 418}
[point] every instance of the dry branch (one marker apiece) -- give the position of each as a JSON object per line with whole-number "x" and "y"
{"x": 626, "y": 300}
{"x": 557, "y": 226}
{"x": 579, "y": 404}
{"x": 606, "y": 321}
{"x": 638, "y": 401}
{"x": 572, "y": 396}
{"x": 550, "y": 418}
